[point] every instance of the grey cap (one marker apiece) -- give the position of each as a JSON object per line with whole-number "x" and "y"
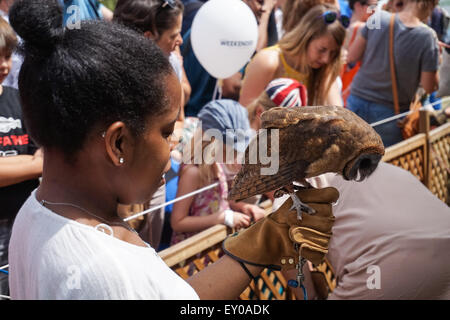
{"x": 230, "y": 118}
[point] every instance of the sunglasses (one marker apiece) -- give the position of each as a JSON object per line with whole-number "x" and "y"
{"x": 331, "y": 16}
{"x": 170, "y": 3}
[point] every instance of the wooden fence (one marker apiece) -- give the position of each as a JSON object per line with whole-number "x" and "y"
{"x": 426, "y": 155}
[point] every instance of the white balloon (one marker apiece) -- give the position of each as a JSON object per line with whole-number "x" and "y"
{"x": 224, "y": 34}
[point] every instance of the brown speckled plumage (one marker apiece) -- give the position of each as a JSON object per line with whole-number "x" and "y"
{"x": 312, "y": 141}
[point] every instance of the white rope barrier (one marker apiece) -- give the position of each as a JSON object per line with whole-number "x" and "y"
{"x": 404, "y": 114}
{"x": 397, "y": 116}
{"x": 193, "y": 193}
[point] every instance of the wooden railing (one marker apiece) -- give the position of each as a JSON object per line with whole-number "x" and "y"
{"x": 438, "y": 179}
{"x": 426, "y": 155}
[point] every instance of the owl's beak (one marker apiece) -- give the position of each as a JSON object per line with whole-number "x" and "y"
{"x": 362, "y": 166}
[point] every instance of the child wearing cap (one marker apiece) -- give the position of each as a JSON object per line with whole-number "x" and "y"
{"x": 211, "y": 207}
{"x": 280, "y": 92}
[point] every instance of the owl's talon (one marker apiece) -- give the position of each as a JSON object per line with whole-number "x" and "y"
{"x": 300, "y": 207}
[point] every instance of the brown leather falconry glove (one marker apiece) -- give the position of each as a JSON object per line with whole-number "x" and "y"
{"x": 276, "y": 241}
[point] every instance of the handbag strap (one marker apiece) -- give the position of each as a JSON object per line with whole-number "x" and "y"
{"x": 392, "y": 65}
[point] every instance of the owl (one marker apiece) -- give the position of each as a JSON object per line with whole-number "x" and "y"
{"x": 312, "y": 140}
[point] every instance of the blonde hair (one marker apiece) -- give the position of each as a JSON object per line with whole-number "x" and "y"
{"x": 296, "y": 42}
{"x": 264, "y": 101}
{"x": 208, "y": 166}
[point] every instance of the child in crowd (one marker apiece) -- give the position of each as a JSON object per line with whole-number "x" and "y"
{"x": 20, "y": 162}
{"x": 211, "y": 207}
{"x": 280, "y": 92}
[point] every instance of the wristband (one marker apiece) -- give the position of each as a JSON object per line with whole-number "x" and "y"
{"x": 229, "y": 218}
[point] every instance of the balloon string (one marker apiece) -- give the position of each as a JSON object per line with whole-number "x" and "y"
{"x": 220, "y": 92}
{"x": 217, "y": 90}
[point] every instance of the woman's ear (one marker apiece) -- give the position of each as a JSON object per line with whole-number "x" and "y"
{"x": 118, "y": 143}
{"x": 150, "y": 35}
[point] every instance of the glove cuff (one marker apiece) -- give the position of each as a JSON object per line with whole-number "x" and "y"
{"x": 241, "y": 261}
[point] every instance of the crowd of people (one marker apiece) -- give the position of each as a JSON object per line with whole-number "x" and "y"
{"x": 101, "y": 108}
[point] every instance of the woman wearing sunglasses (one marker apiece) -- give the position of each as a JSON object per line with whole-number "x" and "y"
{"x": 309, "y": 53}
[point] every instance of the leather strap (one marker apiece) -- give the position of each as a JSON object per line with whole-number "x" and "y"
{"x": 247, "y": 271}
{"x": 392, "y": 65}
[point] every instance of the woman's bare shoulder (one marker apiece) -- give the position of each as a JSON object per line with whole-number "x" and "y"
{"x": 267, "y": 59}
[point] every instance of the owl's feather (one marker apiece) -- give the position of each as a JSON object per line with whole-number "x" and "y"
{"x": 312, "y": 141}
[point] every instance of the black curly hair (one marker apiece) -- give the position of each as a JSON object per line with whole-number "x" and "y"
{"x": 73, "y": 80}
